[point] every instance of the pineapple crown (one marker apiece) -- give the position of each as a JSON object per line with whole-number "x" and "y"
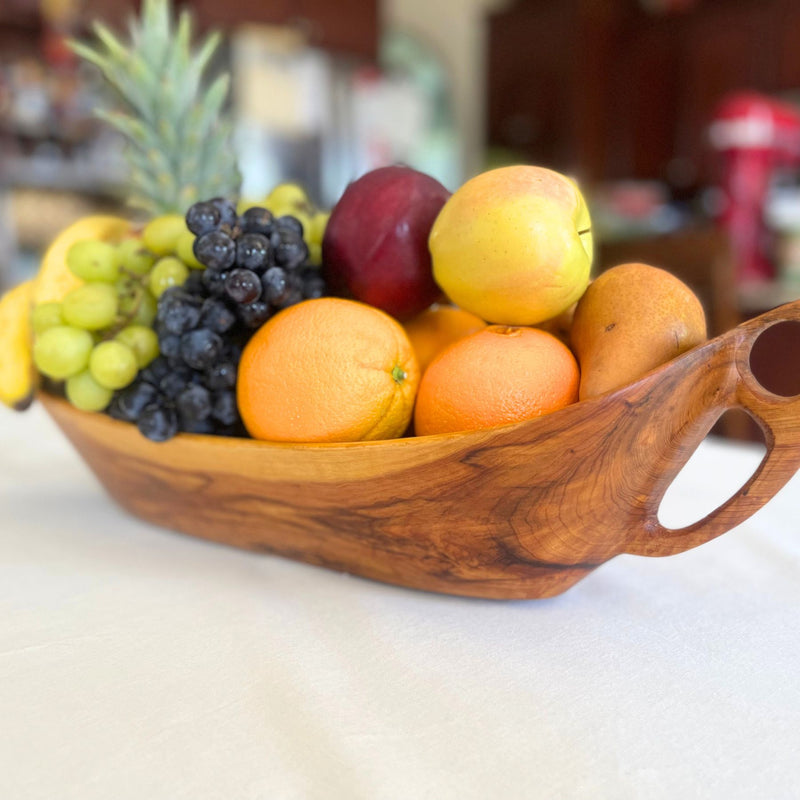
{"x": 179, "y": 143}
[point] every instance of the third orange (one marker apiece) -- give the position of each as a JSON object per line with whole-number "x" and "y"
{"x": 436, "y": 328}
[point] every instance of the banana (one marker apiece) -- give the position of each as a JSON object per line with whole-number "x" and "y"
{"x": 18, "y": 376}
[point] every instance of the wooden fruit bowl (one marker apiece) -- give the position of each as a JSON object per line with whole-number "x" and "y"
{"x": 521, "y": 511}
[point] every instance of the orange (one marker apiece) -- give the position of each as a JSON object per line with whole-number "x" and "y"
{"x": 328, "y": 370}
{"x": 436, "y": 328}
{"x": 499, "y": 375}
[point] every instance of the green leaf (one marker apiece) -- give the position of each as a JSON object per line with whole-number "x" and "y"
{"x": 87, "y": 54}
{"x": 156, "y": 31}
{"x": 212, "y": 103}
{"x": 133, "y": 129}
{"x": 116, "y": 50}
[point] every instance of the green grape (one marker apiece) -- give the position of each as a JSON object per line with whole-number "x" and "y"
{"x": 143, "y": 341}
{"x": 160, "y": 235}
{"x": 93, "y": 260}
{"x": 316, "y": 230}
{"x": 185, "y": 250}
{"x": 145, "y": 313}
{"x": 113, "y": 364}
{"x": 287, "y": 196}
{"x": 92, "y": 306}
{"x": 127, "y": 289}
{"x": 136, "y": 303}
{"x": 62, "y": 351}
{"x": 167, "y": 272}
{"x": 134, "y": 256}
{"x": 85, "y": 393}
{"x": 46, "y": 315}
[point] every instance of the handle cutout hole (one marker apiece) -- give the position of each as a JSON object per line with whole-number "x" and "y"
{"x": 701, "y": 486}
{"x": 774, "y": 359}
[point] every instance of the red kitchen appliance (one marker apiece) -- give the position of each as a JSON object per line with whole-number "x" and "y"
{"x": 757, "y": 137}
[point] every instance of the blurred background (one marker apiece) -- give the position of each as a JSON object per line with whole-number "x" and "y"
{"x": 680, "y": 118}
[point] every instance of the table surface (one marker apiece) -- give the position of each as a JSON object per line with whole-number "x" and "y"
{"x": 138, "y": 663}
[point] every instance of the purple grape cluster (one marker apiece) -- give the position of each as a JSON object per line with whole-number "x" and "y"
{"x": 254, "y": 266}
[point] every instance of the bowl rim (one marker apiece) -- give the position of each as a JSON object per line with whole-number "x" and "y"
{"x": 101, "y": 418}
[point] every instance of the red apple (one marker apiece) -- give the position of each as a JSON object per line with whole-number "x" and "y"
{"x": 375, "y": 247}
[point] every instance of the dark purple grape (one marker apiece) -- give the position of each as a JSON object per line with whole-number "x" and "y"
{"x": 227, "y": 210}
{"x": 224, "y": 408}
{"x": 158, "y": 422}
{"x": 155, "y": 371}
{"x": 194, "y": 404}
{"x": 313, "y": 284}
{"x": 178, "y": 311}
{"x": 172, "y": 385}
{"x": 253, "y": 251}
{"x": 243, "y": 286}
{"x": 291, "y": 252}
{"x": 232, "y": 351}
{"x": 215, "y": 282}
{"x": 203, "y": 426}
{"x": 293, "y": 292}
{"x": 294, "y": 297}
{"x": 115, "y": 412}
{"x": 135, "y": 398}
{"x": 274, "y": 283}
{"x": 254, "y": 315}
{"x": 221, "y": 376}
{"x": 194, "y": 283}
{"x": 203, "y": 217}
{"x": 200, "y": 348}
{"x": 291, "y": 224}
{"x": 216, "y": 316}
{"x": 257, "y": 220}
{"x": 216, "y": 250}
{"x": 169, "y": 345}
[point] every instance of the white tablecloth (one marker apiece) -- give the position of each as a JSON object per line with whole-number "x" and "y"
{"x": 137, "y": 663}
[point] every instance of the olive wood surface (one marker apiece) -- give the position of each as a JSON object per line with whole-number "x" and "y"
{"x": 520, "y": 511}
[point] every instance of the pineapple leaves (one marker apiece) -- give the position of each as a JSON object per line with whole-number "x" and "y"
{"x": 156, "y": 32}
{"x": 130, "y": 127}
{"x": 180, "y": 149}
{"x": 194, "y": 70}
{"x": 116, "y": 50}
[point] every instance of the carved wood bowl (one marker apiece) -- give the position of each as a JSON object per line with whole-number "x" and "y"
{"x": 520, "y": 511}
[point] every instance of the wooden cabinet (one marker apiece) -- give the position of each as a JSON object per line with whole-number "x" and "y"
{"x": 606, "y": 89}
{"x": 346, "y": 26}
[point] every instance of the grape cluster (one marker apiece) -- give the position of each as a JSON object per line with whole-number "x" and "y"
{"x": 253, "y": 265}
{"x": 99, "y": 336}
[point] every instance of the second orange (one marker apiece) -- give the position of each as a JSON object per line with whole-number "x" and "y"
{"x": 499, "y": 375}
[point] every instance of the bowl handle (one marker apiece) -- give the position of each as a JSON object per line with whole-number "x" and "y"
{"x": 779, "y": 419}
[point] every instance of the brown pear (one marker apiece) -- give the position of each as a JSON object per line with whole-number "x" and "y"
{"x": 631, "y": 319}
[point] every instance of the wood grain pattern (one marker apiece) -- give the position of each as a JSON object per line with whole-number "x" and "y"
{"x": 521, "y": 511}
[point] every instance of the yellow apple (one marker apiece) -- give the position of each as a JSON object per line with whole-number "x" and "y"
{"x": 513, "y": 245}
